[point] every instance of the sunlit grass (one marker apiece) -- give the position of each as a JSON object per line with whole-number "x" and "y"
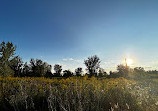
{"x": 76, "y": 94}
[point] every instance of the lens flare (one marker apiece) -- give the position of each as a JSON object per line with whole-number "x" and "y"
{"x": 129, "y": 62}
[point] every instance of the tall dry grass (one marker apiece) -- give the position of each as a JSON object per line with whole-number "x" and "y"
{"x": 77, "y": 94}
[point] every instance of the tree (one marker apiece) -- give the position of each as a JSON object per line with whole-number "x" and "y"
{"x": 122, "y": 70}
{"x": 57, "y": 69}
{"x": 26, "y": 71}
{"x": 49, "y": 73}
{"x": 152, "y": 72}
{"x": 92, "y": 64}
{"x": 78, "y": 71}
{"x": 39, "y": 68}
{"x": 139, "y": 73}
{"x": 113, "y": 74}
{"x": 7, "y": 52}
{"x": 101, "y": 73}
{"x": 67, "y": 73}
{"x": 16, "y": 66}
{"x": 139, "y": 69}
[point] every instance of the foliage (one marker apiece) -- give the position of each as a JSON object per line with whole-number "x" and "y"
{"x": 102, "y": 73}
{"x": 92, "y": 64}
{"x": 7, "y": 52}
{"x": 77, "y": 94}
{"x": 26, "y": 70}
{"x": 123, "y": 70}
{"x": 152, "y": 72}
{"x": 67, "y": 73}
{"x": 39, "y": 68}
{"x": 78, "y": 71}
{"x": 16, "y": 65}
{"x": 139, "y": 73}
{"x": 67, "y": 93}
{"x": 57, "y": 69}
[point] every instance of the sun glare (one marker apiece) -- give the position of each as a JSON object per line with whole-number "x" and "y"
{"x": 129, "y": 62}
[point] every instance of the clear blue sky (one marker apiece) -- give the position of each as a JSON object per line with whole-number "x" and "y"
{"x": 67, "y": 32}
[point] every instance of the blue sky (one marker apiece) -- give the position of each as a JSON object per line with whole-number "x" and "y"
{"x": 67, "y": 32}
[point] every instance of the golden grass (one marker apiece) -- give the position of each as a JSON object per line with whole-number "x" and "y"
{"x": 75, "y": 94}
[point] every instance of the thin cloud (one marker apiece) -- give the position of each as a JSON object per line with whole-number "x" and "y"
{"x": 64, "y": 59}
{"x": 71, "y": 59}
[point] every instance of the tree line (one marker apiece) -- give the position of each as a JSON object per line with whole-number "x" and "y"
{"x": 13, "y": 66}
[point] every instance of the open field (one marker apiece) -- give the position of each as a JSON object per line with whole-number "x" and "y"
{"x": 78, "y": 55}
{"x": 78, "y": 94}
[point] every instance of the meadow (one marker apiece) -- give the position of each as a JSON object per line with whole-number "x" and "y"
{"x": 78, "y": 55}
{"x": 78, "y": 94}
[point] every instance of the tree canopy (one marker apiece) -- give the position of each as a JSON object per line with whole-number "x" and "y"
{"x": 7, "y": 52}
{"x": 92, "y": 64}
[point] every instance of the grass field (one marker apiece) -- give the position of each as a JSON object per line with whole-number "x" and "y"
{"x": 78, "y": 94}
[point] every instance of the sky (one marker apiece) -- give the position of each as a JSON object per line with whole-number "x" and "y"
{"x": 67, "y": 32}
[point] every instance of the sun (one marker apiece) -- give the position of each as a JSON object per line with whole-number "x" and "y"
{"x": 129, "y": 61}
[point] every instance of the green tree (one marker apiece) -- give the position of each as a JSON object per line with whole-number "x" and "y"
{"x": 101, "y": 73}
{"x": 16, "y": 65}
{"x": 7, "y": 52}
{"x": 48, "y": 73}
{"x": 139, "y": 69}
{"x": 139, "y": 73}
{"x": 92, "y": 64}
{"x": 57, "y": 69}
{"x": 39, "y": 68}
{"x": 122, "y": 70}
{"x": 67, "y": 73}
{"x": 78, "y": 71}
{"x": 26, "y": 70}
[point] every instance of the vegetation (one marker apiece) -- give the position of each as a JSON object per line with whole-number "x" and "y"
{"x": 57, "y": 69}
{"x": 6, "y": 58}
{"x": 92, "y": 64}
{"x": 25, "y": 87}
{"x": 78, "y": 71}
{"x": 76, "y": 94}
{"x": 13, "y": 66}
